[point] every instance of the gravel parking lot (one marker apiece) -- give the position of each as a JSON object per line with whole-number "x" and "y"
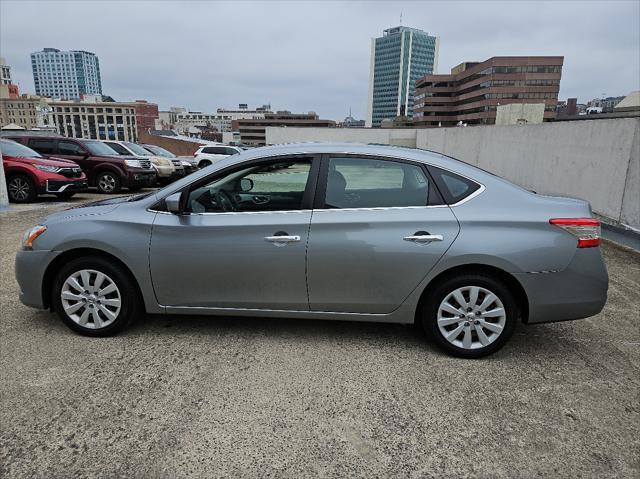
{"x": 222, "y": 397}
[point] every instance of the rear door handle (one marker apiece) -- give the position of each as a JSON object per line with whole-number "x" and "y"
{"x": 282, "y": 239}
{"x": 423, "y": 238}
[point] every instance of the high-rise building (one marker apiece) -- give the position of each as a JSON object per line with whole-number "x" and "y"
{"x": 67, "y": 75}
{"x": 473, "y": 91}
{"x": 7, "y": 88}
{"x": 398, "y": 58}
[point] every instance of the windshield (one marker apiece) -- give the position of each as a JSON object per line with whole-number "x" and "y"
{"x": 99, "y": 148}
{"x": 137, "y": 149}
{"x": 11, "y": 148}
{"x": 160, "y": 151}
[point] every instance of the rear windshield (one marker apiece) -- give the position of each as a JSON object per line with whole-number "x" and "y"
{"x": 11, "y": 148}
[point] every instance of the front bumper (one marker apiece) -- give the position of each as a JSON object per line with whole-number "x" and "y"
{"x": 141, "y": 178}
{"x": 62, "y": 186}
{"x": 164, "y": 171}
{"x": 578, "y": 291}
{"x": 30, "y": 268}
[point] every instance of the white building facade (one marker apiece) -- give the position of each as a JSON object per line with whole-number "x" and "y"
{"x": 65, "y": 74}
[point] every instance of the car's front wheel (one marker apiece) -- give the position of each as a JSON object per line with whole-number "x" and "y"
{"x": 95, "y": 297}
{"x": 21, "y": 189}
{"x": 108, "y": 182}
{"x": 471, "y": 315}
{"x": 204, "y": 164}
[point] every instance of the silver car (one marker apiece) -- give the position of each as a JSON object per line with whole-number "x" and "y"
{"x": 326, "y": 231}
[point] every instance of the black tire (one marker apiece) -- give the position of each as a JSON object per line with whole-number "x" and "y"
{"x": 21, "y": 189}
{"x": 204, "y": 164}
{"x": 108, "y": 182}
{"x": 65, "y": 195}
{"x": 131, "y": 304}
{"x": 429, "y": 314}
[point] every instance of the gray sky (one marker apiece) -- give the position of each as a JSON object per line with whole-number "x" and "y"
{"x": 306, "y": 55}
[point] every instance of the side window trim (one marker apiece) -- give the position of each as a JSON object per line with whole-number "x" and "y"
{"x": 434, "y": 200}
{"x": 307, "y": 198}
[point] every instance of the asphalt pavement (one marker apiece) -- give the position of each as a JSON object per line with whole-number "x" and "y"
{"x": 177, "y": 397}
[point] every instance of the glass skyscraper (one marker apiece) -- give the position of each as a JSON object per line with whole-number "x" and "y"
{"x": 65, "y": 75}
{"x": 398, "y": 58}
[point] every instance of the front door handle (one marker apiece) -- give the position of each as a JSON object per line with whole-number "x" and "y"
{"x": 282, "y": 239}
{"x": 423, "y": 238}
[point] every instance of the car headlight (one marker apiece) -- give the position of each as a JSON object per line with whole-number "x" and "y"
{"x": 49, "y": 168}
{"x": 31, "y": 234}
{"x": 133, "y": 163}
{"x": 185, "y": 163}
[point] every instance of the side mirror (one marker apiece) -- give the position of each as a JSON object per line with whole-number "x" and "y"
{"x": 173, "y": 203}
{"x": 246, "y": 184}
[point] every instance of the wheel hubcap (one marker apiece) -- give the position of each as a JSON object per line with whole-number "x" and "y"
{"x": 91, "y": 299}
{"x": 19, "y": 189}
{"x": 107, "y": 183}
{"x": 471, "y": 317}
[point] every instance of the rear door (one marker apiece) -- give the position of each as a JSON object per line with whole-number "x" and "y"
{"x": 379, "y": 226}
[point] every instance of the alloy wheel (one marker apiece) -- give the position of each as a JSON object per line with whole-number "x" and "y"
{"x": 107, "y": 183}
{"x": 91, "y": 299}
{"x": 471, "y": 317}
{"x": 19, "y": 189}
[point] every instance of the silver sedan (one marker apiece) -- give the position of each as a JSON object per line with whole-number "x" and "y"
{"x": 328, "y": 231}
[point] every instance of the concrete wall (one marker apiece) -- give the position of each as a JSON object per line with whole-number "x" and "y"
{"x": 387, "y": 136}
{"x": 595, "y": 160}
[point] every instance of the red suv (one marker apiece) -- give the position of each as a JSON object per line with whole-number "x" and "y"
{"x": 30, "y": 174}
{"x": 105, "y": 169}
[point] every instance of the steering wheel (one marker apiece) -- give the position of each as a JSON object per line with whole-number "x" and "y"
{"x": 225, "y": 201}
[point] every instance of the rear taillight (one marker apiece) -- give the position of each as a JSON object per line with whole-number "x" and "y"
{"x": 587, "y": 230}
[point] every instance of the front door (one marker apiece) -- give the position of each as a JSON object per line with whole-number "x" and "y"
{"x": 241, "y": 242}
{"x": 376, "y": 233}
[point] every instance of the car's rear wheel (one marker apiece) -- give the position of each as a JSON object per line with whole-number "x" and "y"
{"x": 95, "y": 297}
{"x": 204, "y": 164}
{"x": 471, "y": 315}
{"x": 21, "y": 189}
{"x": 108, "y": 182}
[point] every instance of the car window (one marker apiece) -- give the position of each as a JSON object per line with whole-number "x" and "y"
{"x": 11, "y": 148}
{"x": 44, "y": 146}
{"x": 274, "y": 186}
{"x": 158, "y": 150}
{"x": 119, "y": 149}
{"x": 137, "y": 149}
{"x": 219, "y": 150}
{"x": 454, "y": 187}
{"x": 371, "y": 183}
{"x": 70, "y": 148}
{"x": 98, "y": 148}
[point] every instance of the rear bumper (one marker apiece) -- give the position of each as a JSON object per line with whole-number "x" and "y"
{"x": 30, "y": 268}
{"x": 578, "y": 291}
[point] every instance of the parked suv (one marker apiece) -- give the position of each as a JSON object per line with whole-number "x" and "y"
{"x": 210, "y": 154}
{"x": 166, "y": 170}
{"x": 105, "y": 169}
{"x": 189, "y": 163}
{"x": 30, "y": 174}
